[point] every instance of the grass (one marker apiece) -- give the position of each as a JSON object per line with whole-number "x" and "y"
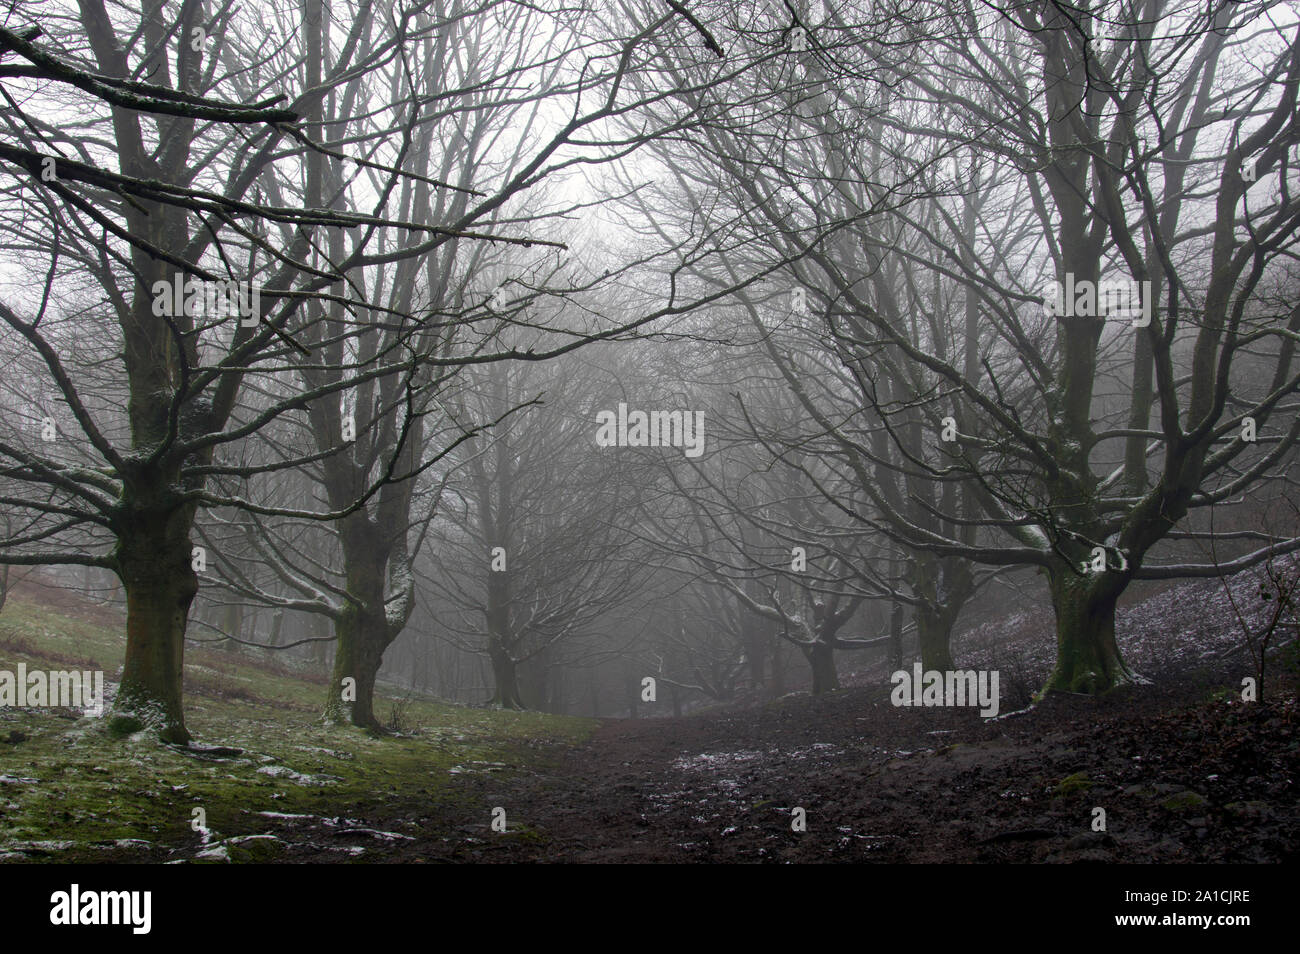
{"x": 69, "y": 791}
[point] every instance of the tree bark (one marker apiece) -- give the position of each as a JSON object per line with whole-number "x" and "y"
{"x": 1087, "y": 657}
{"x": 633, "y": 695}
{"x": 753, "y": 639}
{"x": 359, "y": 652}
{"x": 821, "y": 657}
{"x": 896, "y": 634}
{"x": 942, "y": 585}
{"x": 154, "y": 563}
{"x": 505, "y": 675}
{"x": 362, "y": 629}
{"x": 934, "y": 636}
{"x": 778, "y": 666}
{"x": 233, "y": 625}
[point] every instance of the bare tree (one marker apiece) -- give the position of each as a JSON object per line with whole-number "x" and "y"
{"x": 1090, "y": 163}
{"x": 535, "y": 537}
{"x": 148, "y": 253}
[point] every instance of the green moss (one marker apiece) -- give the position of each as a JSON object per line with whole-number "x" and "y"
{"x": 257, "y": 849}
{"x": 98, "y": 792}
{"x": 119, "y": 726}
{"x": 522, "y": 833}
{"x": 1072, "y": 784}
{"x": 1184, "y": 802}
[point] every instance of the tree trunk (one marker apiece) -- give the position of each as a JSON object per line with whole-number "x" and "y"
{"x": 934, "y": 634}
{"x": 361, "y": 638}
{"x": 506, "y": 677}
{"x": 320, "y": 652}
{"x": 557, "y": 697}
{"x": 153, "y": 558}
{"x": 896, "y": 635}
{"x": 361, "y": 633}
{"x": 274, "y": 637}
{"x": 362, "y": 628}
{"x": 233, "y": 625}
{"x": 942, "y": 586}
{"x": 821, "y": 657}
{"x": 753, "y": 639}
{"x": 1087, "y": 656}
{"x": 778, "y": 667}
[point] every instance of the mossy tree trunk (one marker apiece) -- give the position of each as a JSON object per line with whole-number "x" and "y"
{"x": 364, "y": 628}
{"x": 154, "y": 562}
{"x": 152, "y": 521}
{"x": 361, "y": 640}
{"x": 942, "y": 586}
{"x": 1087, "y": 657}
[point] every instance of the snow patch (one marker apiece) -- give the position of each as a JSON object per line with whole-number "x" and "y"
{"x": 300, "y": 778}
{"x": 374, "y": 833}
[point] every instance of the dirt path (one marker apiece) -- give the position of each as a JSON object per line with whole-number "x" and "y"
{"x": 1181, "y": 778}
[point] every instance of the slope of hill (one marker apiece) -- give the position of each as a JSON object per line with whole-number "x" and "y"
{"x": 276, "y": 779}
{"x": 1183, "y": 769}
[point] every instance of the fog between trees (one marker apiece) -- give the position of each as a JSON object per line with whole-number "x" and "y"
{"x": 313, "y": 315}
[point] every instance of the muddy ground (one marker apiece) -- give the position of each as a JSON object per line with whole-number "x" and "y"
{"x": 1182, "y": 777}
{"x": 1183, "y": 768}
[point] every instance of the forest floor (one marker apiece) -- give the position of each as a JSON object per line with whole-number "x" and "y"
{"x": 1181, "y": 777}
{"x": 1183, "y": 768}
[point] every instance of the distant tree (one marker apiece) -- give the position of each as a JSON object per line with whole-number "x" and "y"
{"x": 535, "y": 536}
{"x": 165, "y": 368}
